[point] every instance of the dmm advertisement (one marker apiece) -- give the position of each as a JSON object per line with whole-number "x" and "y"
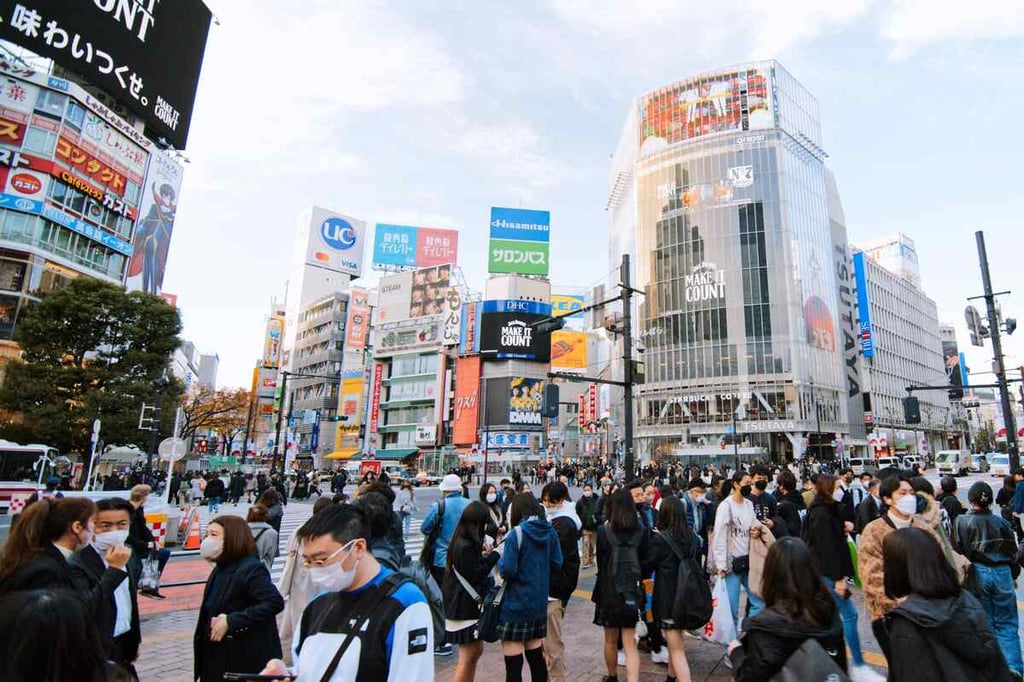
{"x": 526, "y": 397}
{"x": 414, "y": 247}
{"x": 146, "y": 54}
{"x": 506, "y": 330}
{"x": 467, "y": 401}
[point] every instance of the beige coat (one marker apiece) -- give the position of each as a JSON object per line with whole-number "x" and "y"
{"x": 761, "y": 540}
{"x": 870, "y": 565}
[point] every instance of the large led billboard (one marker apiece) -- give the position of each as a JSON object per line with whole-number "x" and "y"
{"x": 724, "y": 101}
{"x": 506, "y": 330}
{"x": 145, "y": 54}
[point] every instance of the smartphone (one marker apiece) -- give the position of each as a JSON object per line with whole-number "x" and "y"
{"x": 255, "y": 677}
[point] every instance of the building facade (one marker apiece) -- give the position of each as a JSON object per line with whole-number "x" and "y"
{"x": 720, "y": 193}
{"x": 906, "y": 351}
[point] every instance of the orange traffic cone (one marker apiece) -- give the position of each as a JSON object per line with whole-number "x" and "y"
{"x": 194, "y": 536}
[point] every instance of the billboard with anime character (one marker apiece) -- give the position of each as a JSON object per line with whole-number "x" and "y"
{"x": 152, "y": 237}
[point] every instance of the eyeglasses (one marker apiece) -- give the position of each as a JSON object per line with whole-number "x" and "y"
{"x": 320, "y": 563}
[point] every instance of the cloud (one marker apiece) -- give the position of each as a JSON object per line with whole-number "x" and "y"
{"x": 915, "y": 24}
{"x": 512, "y": 151}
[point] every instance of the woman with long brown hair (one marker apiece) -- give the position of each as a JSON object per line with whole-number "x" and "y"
{"x": 237, "y": 624}
{"x": 45, "y": 535}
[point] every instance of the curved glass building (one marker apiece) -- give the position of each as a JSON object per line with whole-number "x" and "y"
{"x": 720, "y": 193}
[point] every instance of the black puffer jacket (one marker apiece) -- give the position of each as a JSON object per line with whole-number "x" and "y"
{"x": 826, "y": 539}
{"x": 947, "y": 640}
{"x": 772, "y": 637}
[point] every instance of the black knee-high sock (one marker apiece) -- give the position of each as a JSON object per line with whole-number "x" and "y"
{"x": 538, "y": 668}
{"x": 514, "y": 668}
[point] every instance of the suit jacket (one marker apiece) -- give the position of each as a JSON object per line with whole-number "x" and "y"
{"x": 97, "y": 583}
{"x": 244, "y": 592}
{"x": 47, "y": 568}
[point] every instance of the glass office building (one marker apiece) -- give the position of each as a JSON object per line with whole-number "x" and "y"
{"x": 720, "y": 192}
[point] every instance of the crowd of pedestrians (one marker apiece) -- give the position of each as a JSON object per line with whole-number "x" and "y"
{"x": 784, "y": 549}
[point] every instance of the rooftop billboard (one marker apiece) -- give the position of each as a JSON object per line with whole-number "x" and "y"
{"x": 414, "y": 247}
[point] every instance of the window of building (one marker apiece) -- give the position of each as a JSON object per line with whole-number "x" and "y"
{"x": 51, "y": 103}
{"x": 75, "y": 116}
{"x": 41, "y": 142}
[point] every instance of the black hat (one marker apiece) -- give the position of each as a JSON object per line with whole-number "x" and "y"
{"x": 980, "y": 494}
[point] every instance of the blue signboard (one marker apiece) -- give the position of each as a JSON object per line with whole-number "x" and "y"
{"x": 522, "y": 307}
{"x": 72, "y": 223}
{"x": 867, "y": 335}
{"x": 520, "y": 224}
{"x": 963, "y": 372}
{"x": 394, "y": 245}
{"x": 515, "y": 440}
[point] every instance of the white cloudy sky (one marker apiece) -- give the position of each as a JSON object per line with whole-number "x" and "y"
{"x": 431, "y": 113}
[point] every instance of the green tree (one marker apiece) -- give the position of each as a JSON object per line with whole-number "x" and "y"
{"x": 91, "y": 350}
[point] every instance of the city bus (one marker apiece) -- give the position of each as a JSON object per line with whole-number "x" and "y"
{"x": 23, "y": 468}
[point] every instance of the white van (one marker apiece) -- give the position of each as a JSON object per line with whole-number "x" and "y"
{"x": 980, "y": 462}
{"x": 886, "y": 462}
{"x": 953, "y": 462}
{"x": 910, "y": 460}
{"x": 999, "y": 464}
{"x": 861, "y": 465}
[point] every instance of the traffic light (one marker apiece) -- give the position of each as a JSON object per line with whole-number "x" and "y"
{"x": 550, "y": 401}
{"x": 1010, "y": 326}
{"x": 911, "y": 410}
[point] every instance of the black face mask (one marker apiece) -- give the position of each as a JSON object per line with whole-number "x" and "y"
{"x": 761, "y": 485}
{"x": 744, "y": 490}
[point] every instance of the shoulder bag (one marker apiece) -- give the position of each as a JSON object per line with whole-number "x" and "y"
{"x": 691, "y": 608}
{"x": 810, "y": 663}
{"x": 490, "y": 605}
{"x": 429, "y": 545}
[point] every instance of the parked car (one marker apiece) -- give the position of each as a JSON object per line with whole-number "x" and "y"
{"x": 1000, "y": 464}
{"x": 910, "y": 461}
{"x": 861, "y": 465}
{"x": 427, "y": 478}
{"x": 953, "y": 462}
{"x": 979, "y": 463}
{"x": 886, "y": 462}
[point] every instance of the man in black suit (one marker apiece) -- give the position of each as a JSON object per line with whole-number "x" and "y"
{"x": 116, "y": 608}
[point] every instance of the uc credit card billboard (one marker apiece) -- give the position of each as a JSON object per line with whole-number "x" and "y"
{"x": 520, "y": 240}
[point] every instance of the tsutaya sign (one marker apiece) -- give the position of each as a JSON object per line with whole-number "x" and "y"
{"x": 705, "y": 283}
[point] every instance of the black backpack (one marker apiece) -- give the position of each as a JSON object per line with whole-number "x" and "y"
{"x": 691, "y": 608}
{"x": 627, "y": 597}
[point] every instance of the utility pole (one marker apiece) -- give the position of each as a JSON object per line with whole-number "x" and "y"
{"x": 627, "y": 355}
{"x": 248, "y": 426}
{"x": 280, "y": 415}
{"x": 997, "y": 353}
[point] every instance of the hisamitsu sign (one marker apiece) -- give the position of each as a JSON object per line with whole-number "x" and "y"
{"x": 519, "y": 241}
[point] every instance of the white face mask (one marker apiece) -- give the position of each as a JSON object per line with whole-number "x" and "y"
{"x": 588, "y": 493}
{"x": 112, "y": 538}
{"x": 492, "y": 498}
{"x": 837, "y": 494}
{"x": 331, "y": 578}
{"x": 907, "y": 504}
{"x": 210, "y": 548}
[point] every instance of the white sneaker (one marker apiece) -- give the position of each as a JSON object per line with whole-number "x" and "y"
{"x": 660, "y": 656}
{"x": 863, "y": 673}
{"x": 622, "y": 659}
{"x": 727, "y": 661}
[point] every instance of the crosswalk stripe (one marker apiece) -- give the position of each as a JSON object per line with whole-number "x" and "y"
{"x": 296, "y": 515}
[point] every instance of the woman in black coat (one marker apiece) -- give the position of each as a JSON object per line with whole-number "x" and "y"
{"x": 672, "y": 538}
{"x": 467, "y": 558}
{"x": 825, "y": 534}
{"x": 798, "y": 607}
{"x": 940, "y": 631}
{"x": 237, "y": 626}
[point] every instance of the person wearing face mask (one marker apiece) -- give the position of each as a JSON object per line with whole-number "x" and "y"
{"x": 563, "y": 518}
{"x": 586, "y": 510}
{"x": 607, "y": 488}
{"x": 45, "y": 536}
{"x": 97, "y": 571}
{"x": 765, "y": 505}
{"x": 694, "y": 503}
{"x": 237, "y": 618}
{"x": 900, "y": 511}
{"x": 361, "y": 600}
{"x": 870, "y": 509}
{"x": 497, "y": 526}
{"x": 735, "y": 522}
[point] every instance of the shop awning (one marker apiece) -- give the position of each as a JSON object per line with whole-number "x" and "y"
{"x": 395, "y": 454}
{"x": 344, "y": 453}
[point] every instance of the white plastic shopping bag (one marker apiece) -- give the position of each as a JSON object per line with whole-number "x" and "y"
{"x": 720, "y": 629}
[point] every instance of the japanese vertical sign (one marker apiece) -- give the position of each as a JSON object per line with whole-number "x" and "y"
{"x": 467, "y": 401}
{"x": 156, "y": 223}
{"x": 358, "y": 322}
{"x": 378, "y": 377}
